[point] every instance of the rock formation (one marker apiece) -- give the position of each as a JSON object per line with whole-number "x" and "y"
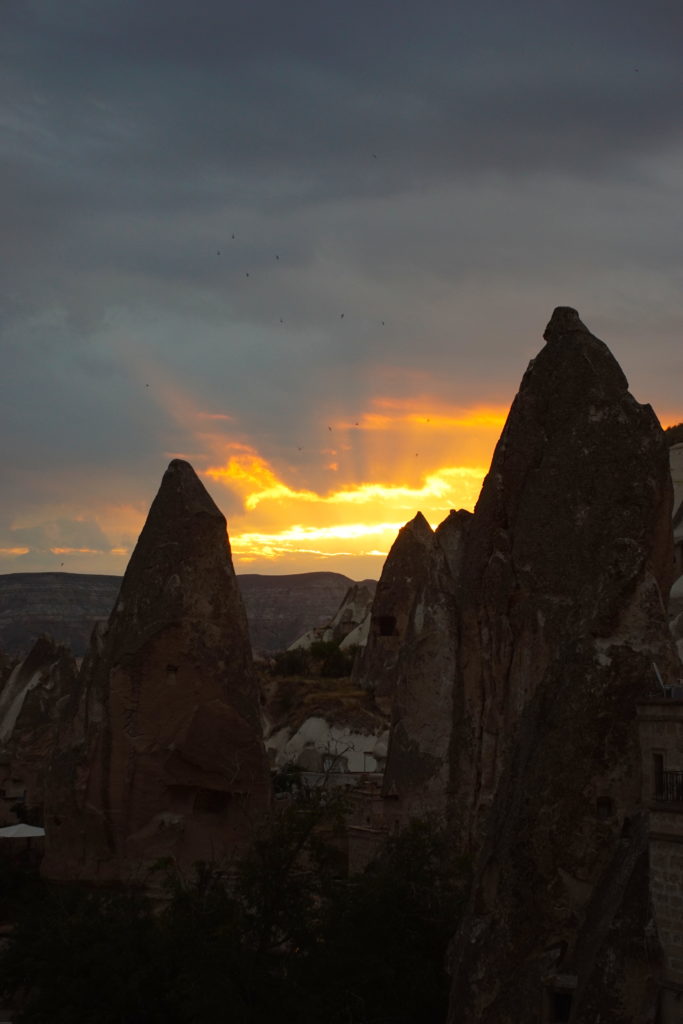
{"x": 350, "y": 623}
{"x": 403, "y": 574}
{"x": 409, "y": 660}
{"x": 161, "y": 752}
{"x": 282, "y": 608}
{"x": 561, "y": 599}
{"x": 516, "y": 642}
{"x": 29, "y": 709}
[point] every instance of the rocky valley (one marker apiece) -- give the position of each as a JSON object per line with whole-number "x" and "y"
{"x": 495, "y": 681}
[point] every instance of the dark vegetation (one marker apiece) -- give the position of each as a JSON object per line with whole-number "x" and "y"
{"x": 301, "y": 684}
{"x": 323, "y": 658}
{"x": 674, "y": 435}
{"x": 287, "y": 936}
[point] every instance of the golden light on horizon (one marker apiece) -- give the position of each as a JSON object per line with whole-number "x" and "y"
{"x": 371, "y": 475}
{"x": 330, "y": 493}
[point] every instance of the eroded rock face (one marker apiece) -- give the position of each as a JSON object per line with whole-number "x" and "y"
{"x": 417, "y": 769}
{"x": 162, "y": 752}
{"x": 404, "y": 572}
{"x": 349, "y": 625}
{"x": 560, "y": 596}
{"x": 29, "y": 710}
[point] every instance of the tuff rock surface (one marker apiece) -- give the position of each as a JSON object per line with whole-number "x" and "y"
{"x": 29, "y": 710}
{"x": 410, "y": 658}
{"x": 515, "y": 643}
{"x": 561, "y": 594}
{"x": 161, "y": 752}
{"x": 349, "y": 624}
{"x": 403, "y": 574}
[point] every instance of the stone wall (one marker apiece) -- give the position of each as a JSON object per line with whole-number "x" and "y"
{"x": 661, "y": 739}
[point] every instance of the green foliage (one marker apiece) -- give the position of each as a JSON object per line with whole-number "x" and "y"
{"x": 674, "y": 435}
{"x": 287, "y": 779}
{"x": 383, "y": 939}
{"x": 291, "y": 663}
{"x": 290, "y": 937}
{"x": 323, "y": 658}
{"x": 322, "y": 649}
{"x": 81, "y": 956}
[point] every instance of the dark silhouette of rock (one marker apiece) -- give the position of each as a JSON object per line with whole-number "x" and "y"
{"x": 404, "y": 571}
{"x": 410, "y": 661}
{"x": 162, "y": 751}
{"x": 417, "y": 765}
{"x": 560, "y": 595}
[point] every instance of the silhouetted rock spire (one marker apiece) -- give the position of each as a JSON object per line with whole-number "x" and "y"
{"x": 169, "y": 711}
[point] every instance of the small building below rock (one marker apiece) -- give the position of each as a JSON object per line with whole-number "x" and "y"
{"x": 661, "y": 742}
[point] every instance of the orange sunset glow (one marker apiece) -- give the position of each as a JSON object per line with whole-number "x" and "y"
{"x": 366, "y": 478}
{"x": 333, "y": 499}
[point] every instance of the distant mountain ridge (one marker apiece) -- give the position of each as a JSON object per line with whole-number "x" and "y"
{"x": 67, "y": 605}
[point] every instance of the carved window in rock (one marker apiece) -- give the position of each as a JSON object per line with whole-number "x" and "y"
{"x": 604, "y": 808}
{"x": 385, "y": 625}
{"x": 560, "y": 1006}
{"x": 658, "y": 773}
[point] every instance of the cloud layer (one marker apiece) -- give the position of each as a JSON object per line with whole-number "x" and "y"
{"x": 230, "y": 227}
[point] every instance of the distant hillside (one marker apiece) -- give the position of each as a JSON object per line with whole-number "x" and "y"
{"x": 61, "y": 604}
{"x": 281, "y": 608}
{"x": 67, "y": 605}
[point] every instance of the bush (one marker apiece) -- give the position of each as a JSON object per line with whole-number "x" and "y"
{"x": 291, "y": 663}
{"x": 291, "y": 937}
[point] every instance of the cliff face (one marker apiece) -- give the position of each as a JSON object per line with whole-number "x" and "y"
{"x": 561, "y": 594}
{"x": 29, "y": 709}
{"x": 161, "y": 752}
{"x": 403, "y": 575}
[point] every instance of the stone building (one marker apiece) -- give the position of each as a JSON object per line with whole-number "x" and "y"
{"x": 661, "y": 741}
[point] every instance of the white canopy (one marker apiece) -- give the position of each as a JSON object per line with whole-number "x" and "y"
{"x": 21, "y": 831}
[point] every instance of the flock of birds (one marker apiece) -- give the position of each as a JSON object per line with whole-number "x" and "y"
{"x": 233, "y": 237}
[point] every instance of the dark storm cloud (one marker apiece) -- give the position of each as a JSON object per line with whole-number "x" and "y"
{"x": 303, "y": 94}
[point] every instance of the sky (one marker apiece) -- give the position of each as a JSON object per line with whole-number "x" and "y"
{"x": 311, "y": 247}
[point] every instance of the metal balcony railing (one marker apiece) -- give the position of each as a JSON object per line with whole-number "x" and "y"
{"x": 669, "y": 786}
